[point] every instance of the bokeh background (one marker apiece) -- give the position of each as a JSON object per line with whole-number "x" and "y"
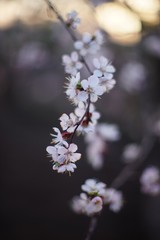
{"x": 35, "y": 201}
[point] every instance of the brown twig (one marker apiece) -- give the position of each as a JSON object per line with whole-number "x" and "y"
{"x": 81, "y": 120}
{"x": 92, "y": 226}
{"x": 53, "y": 8}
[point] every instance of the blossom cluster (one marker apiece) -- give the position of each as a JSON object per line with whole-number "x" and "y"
{"x": 94, "y": 196}
{"x": 83, "y": 93}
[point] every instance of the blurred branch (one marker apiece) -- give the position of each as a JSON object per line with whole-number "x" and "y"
{"x": 148, "y": 143}
{"x": 92, "y": 226}
{"x": 127, "y": 172}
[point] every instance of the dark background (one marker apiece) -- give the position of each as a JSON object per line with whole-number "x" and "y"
{"x": 35, "y": 200}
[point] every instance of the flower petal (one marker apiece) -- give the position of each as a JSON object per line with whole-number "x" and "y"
{"x": 98, "y": 73}
{"x": 75, "y": 157}
{"x": 86, "y": 38}
{"x": 62, "y": 150}
{"x": 51, "y": 149}
{"x": 78, "y": 45}
{"x": 73, "y": 147}
{"x": 84, "y": 84}
{"x": 93, "y": 81}
{"x": 94, "y": 97}
{"x": 62, "y": 169}
{"x": 96, "y": 63}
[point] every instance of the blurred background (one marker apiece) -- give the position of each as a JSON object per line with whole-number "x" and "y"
{"x": 35, "y": 201}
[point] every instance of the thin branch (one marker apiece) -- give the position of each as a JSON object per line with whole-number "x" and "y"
{"x": 147, "y": 146}
{"x": 53, "y": 8}
{"x": 81, "y": 120}
{"x": 92, "y": 226}
{"x": 147, "y": 142}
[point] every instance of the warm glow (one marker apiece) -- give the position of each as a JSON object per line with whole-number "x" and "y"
{"x": 120, "y": 23}
{"x": 27, "y": 11}
{"x": 33, "y": 12}
{"x": 85, "y": 12}
{"x": 148, "y": 10}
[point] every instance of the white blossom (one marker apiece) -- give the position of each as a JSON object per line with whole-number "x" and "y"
{"x": 90, "y": 119}
{"x": 89, "y": 44}
{"x": 114, "y": 198}
{"x": 68, "y": 122}
{"x": 79, "y": 203}
{"x": 95, "y": 197}
{"x": 92, "y": 87}
{"x": 90, "y": 202}
{"x": 75, "y": 91}
{"x": 150, "y": 181}
{"x": 69, "y": 154}
{"x": 71, "y": 63}
{"x": 104, "y": 71}
{"x": 131, "y": 152}
{"x": 64, "y": 158}
{"x": 58, "y": 138}
{"x": 67, "y": 167}
{"x": 72, "y": 19}
{"x": 93, "y": 187}
{"x": 84, "y": 205}
{"x": 94, "y": 206}
{"x": 93, "y": 115}
{"x": 52, "y": 151}
{"x": 103, "y": 68}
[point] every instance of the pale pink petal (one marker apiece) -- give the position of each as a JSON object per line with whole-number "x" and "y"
{"x": 62, "y": 150}
{"x": 93, "y": 81}
{"x": 110, "y": 69}
{"x": 96, "y": 63}
{"x": 64, "y": 117}
{"x": 98, "y": 73}
{"x": 75, "y": 157}
{"x": 61, "y": 159}
{"x": 78, "y": 45}
{"x": 62, "y": 169}
{"x": 94, "y": 97}
{"x": 69, "y": 168}
{"x": 86, "y": 38}
{"x": 100, "y": 90}
{"x": 82, "y": 96}
{"x": 73, "y": 147}
{"x": 108, "y": 76}
{"x": 104, "y": 61}
{"x": 51, "y": 149}
{"x": 84, "y": 84}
